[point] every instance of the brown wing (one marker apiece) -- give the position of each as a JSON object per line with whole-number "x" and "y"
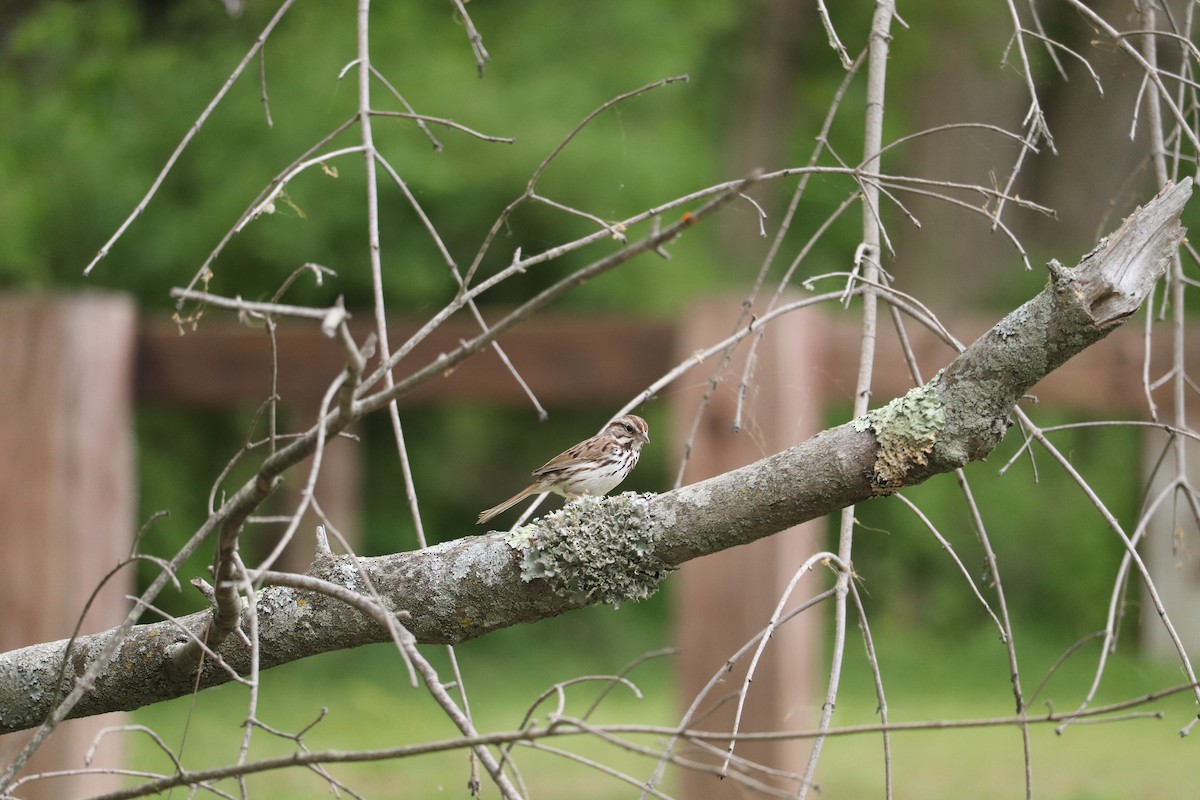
{"x": 565, "y": 459}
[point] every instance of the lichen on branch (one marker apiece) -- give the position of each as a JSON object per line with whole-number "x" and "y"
{"x": 907, "y": 429}
{"x": 595, "y": 549}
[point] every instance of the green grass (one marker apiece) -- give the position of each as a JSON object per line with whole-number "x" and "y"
{"x": 371, "y": 705}
{"x": 968, "y": 679}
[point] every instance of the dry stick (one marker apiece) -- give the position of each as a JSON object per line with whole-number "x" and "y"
{"x": 247, "y": 445}
{"x": 1147, "y": 337}
{"x": 773, "y": 623}
{"x": 599, "y": 766}
{"x": 945, "y": 544}
{"x": 262, "y": 85}
{"x": 1035, "y": 115}
{"x": 1041, "y": 34}
{"x": 831, "y": 35}
{"x": 477, "y": 48}
{"x": 1010, "y": 645}
{"x": 1053, "y": 45}
{"x": 721, "y": 347}
{"x": 531, "y": 186}
{"x": 273, "y": 398}
{"x": 997, "y": 224}
{"x": 785, "y": 225}
{"x": 255, "y": 207}
{"x": 1035, "y": 123}
{"x": 607, "y": 734}
{"x": 1059, "y": 662}
{"x": 246, "y": 585}
{"x": 437, "y": 145}
{"x": 373, "y": 238}
{"x": 266, "y": 204}
{"x": 877, "y": 54}
{"x": 251, "y": 307}
{"x": 1177, "y": 282}
{"x": 1110, "y": 423}
{"x": 781, "y": 288}
{"x": 150, "y": 732}
{"x": 614, "y": 231}
{"x": 901, "y": 301}
{"x": 449, "y": 123}
{"x": 558, "y": 690}
{"x": 1131, "y": 555}
{"x": 298, "y": 739}
{"x": 1005, "y": 627}
{"x": 204, "y": 115}
{"x": 744, "y": 769}
{"x": 1028, "y": 145}
{"x": 520, "y": 265}
{"x": 458, "y": 279}
{"x": 877, "y": 679}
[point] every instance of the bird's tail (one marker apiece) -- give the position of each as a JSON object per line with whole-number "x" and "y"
{"x": 507, "y": 504}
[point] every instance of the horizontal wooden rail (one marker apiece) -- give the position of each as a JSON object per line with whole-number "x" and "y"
{"x": 588, "y": 360}
{"x": 568, "y": 361}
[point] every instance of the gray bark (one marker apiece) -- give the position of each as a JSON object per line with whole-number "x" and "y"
{"x": 607, "y": 550}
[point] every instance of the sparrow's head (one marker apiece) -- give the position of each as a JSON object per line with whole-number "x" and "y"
{"x": 630, "y": 427}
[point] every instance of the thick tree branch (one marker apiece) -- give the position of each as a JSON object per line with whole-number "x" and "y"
{"x": 472, "y": 586}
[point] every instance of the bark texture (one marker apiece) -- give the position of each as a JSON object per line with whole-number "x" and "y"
{"x": 471, "y": 586}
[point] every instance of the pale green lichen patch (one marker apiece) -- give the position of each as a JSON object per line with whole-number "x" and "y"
{"x": 907, "y": 429}
{"x": 594, "y": 550}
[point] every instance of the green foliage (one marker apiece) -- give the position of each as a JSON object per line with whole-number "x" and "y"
{"x": 106, "y": 93}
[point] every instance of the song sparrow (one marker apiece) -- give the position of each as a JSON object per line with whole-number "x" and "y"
{"x": 594, "y": 466}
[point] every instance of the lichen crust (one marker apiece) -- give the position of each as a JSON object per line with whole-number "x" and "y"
{"x": 907, "y": 430}
{"x": 595, "y": 549}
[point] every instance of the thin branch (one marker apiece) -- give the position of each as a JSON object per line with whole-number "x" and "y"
{"x": 187, "y": 138}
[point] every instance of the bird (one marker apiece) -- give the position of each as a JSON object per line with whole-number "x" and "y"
{"x": 594, "y": 466}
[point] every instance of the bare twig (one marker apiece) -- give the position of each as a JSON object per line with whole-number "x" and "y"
{"x": 199, "y": 123}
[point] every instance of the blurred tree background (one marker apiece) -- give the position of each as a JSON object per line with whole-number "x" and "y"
{"x": 96, "y": 96}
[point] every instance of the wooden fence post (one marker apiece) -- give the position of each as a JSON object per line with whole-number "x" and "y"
{"x": 1170, "y": 551}
{"x": 67, "y": 496}
{"x": 723, "y": 600}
